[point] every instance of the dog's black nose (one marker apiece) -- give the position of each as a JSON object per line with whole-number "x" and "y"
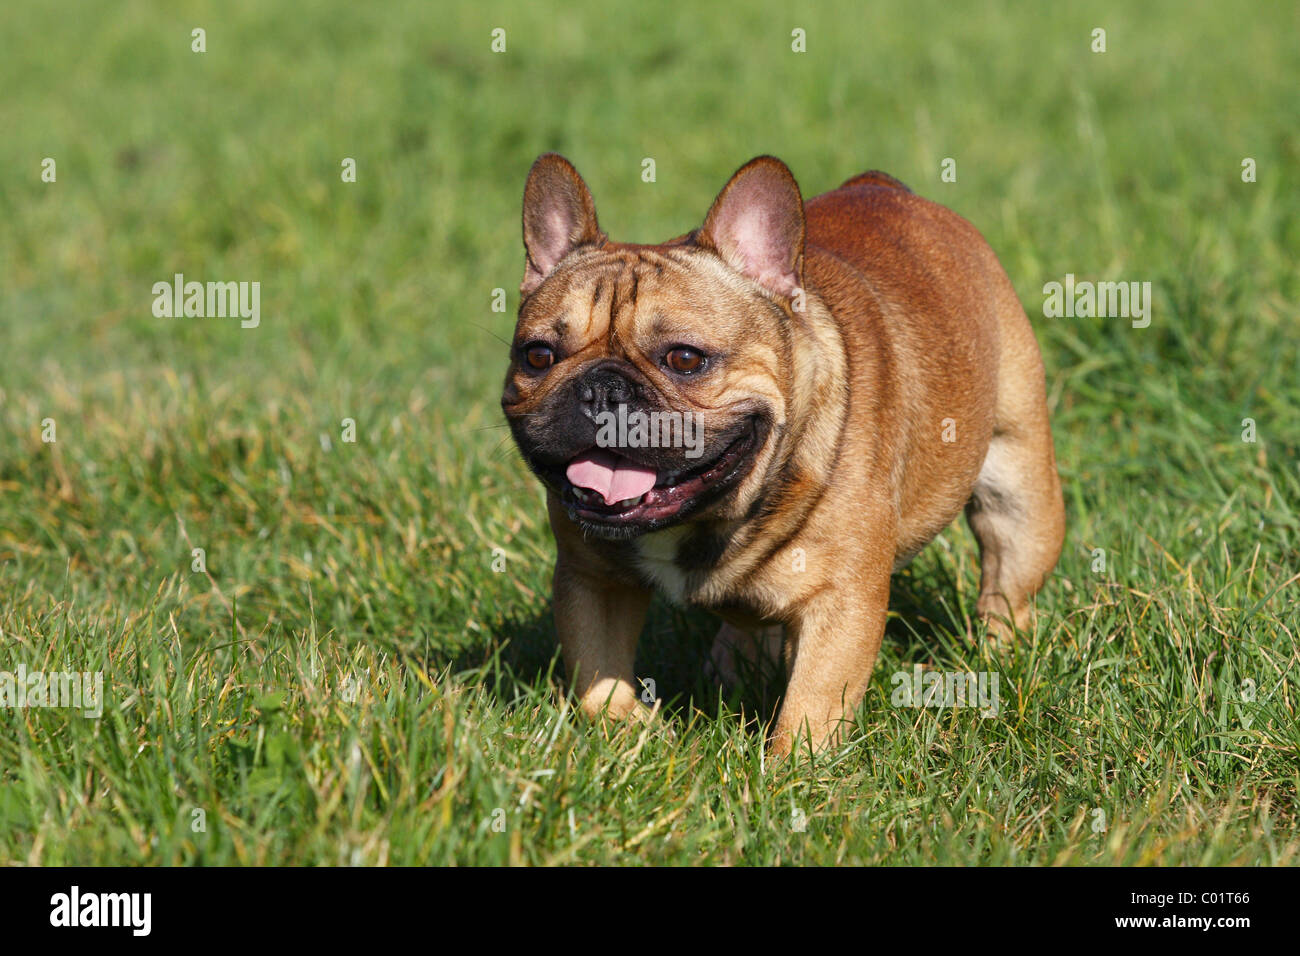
{"x": 604, "y": 389}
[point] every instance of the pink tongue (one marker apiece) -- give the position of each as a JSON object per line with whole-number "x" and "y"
{"x": 613, "y": 476}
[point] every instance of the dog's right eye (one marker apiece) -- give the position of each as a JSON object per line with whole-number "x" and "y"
{"x": 685, "y": 360}
{"x": 539, "y": 356}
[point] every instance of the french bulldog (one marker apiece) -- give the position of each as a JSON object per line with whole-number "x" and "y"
{"x": 808, "y": 393}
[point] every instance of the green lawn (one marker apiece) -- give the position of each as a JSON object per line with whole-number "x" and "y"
{"x": 352, "y": 682}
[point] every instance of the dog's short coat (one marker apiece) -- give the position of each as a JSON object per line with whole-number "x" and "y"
{"x": 865, "y": 371}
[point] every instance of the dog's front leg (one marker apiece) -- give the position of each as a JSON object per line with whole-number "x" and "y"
{"x": 832, "y": 648}
{"x": 599, "y": 623}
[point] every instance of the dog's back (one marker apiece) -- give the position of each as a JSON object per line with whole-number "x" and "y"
{"x": 928, "y": 293}
{"x": 913, "y": 288}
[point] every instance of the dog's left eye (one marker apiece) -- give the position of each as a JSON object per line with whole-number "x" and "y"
{"x": 539, "y": 356}
{"x": 684, "y": 360}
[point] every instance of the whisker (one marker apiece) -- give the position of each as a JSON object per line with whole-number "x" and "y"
{"x": 491, "y": 333}
{"x": 492, "y": 455}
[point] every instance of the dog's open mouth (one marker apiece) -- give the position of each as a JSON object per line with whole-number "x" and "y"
{"x": 603, "y": 487}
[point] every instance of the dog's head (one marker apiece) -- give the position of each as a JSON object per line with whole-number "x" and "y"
{"x": 648, "y": 384}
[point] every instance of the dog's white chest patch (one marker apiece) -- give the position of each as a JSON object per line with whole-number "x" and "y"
{"x": 657, "y": 558}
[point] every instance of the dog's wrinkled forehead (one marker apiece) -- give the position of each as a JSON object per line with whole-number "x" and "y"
{"x": 626, "y": 293}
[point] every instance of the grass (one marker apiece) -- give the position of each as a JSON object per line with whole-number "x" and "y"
{"x": 351, "y": 681}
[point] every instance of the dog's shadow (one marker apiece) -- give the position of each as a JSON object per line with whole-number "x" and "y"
{"x": 926, "y": 622}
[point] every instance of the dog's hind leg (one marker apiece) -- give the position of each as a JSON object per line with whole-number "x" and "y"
{"x": 738, "y": 653}
{"x": 1016, "y": 510}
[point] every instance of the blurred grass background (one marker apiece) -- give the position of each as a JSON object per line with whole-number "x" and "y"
{"x": 406, "y": 686}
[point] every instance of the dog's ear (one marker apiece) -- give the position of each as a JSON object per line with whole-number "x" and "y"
{"x": 756, "y": 226}
{"x": 559, "y": 216}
